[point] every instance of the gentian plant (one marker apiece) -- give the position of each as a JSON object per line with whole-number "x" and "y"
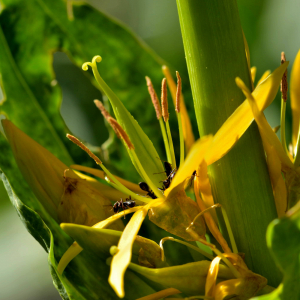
{"x": 217, "y": 219}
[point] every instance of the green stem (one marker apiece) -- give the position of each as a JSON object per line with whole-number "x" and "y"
{"x": 215, "y": 54}
{"x": 282, "y": 125}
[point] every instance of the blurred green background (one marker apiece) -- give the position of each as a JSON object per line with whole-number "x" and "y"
{"x": 270, "y": 26}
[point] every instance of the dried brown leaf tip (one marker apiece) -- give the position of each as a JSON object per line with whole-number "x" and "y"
{"x": 178, "y": 92}
{"x": 121, "y": 132}
{"x": 164, "y": 100}
{"x": 284, "y": 84}
{"x": 84, "y": 148}
{"x": 154, "y": 97}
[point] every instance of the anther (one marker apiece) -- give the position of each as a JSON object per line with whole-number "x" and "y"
{"x": 84, "y": 148}
{"x": 114, "y": 123}
{"x": 106, "y": 115}
{"x": 178, "y": 92}
{"x": 164, "y": 100}
{"x": 154, "y": 97}
{"x": 284, "y": 84}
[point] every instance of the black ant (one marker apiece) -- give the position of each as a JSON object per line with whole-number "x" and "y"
{"x": 123, "y": 204}
{"x": 170, "y": 174}
{"x": 144, "y": 186}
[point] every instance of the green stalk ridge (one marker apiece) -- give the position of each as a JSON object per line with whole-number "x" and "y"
{"x": 215, "y": 55}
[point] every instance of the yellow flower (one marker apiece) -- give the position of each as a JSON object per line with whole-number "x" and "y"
{"x": 172, "y": 209}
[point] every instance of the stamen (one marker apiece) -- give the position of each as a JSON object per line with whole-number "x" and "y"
{"x": 164, "y": 100}
{"x": 106, "y": 115}
{"x": 283, "y": 89}
{"x": 234, "y": 271}
{"x": 186, "y": 123}
{"x": 84, "y": 148}
{"x": 209, "y": 256}
{"x": 126, "y": 139}
{"x": 154, "y": 98}
{"x": 113, "y": 180}
{"x": 165, "y": 113}
{"x": 284, "y": 84}
{"x": 177, "y": 108}
{"x": 121, "y": 132}
{"x": 157, "y": 108}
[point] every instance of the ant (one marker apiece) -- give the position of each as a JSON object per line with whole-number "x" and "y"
{"x": 144, "y": 186}
{"x": 170, "y": 175}
{"x": 123, "y": 204}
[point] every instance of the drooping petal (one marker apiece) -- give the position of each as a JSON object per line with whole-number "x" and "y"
{"x": 41, "y": 169}
{"x": 278, "y": 184}
{"x": 267, "y": 133}
{"x": 241, "y": 119}
{"x": 122, "y": 258}
{"x": 263, "y": 77}
{"x": 211, "y": 278}
{"x": 192, "y": 161}
{"x": 75, "y": 249}
{"x": 177, "y": 213}
{"x": 295, "y": 98}
{"x": 189, "y": 278}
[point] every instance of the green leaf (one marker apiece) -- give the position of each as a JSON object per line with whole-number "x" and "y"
{"x": 283, "y": 238}
{"x": 27, "y": 73}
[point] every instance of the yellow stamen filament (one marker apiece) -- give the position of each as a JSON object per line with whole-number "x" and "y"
{"x": 121, "y": 132}
{"x": 209, "y": 256}
{"x": 130, "y": 185}
{"x": 161, "y": 294}
{"x": 84, "y": 148}
{"x": 189, "y": 138}
{"x": 177, "y": 108}
{"x": 195, "y": 236}
{"x": 165, "y": 113}
{"x": 154, "y": 98}
{"x": 283, "y": 89}
{"x": 157, "y": 108}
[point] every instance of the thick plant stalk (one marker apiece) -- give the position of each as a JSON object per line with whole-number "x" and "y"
{"x": 215, "y": 54}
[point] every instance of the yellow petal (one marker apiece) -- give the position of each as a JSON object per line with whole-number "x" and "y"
{"x": 75, "y": 249}
{"x": 266, "y": 131}
{"x": 192, "y": 161}
{"x": 122, "y": 259}
{"x": 132, "y": 186}
{"x": 295, "y": 97}
{"x": 253, "y": 73}
{"x": 41, "y": 169}
{"x": 186, "y": 123}
{"x": 263, "y": 77}
{"x": 82, "y": 204}
{"x": 161, "y": 294}
{"x": 278, "y": 184}
{"x": 241, "y": 119}
{"x": 177, "y": 213}
{"x": 202, "y": 184}
{"x": 211, "y": 278}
